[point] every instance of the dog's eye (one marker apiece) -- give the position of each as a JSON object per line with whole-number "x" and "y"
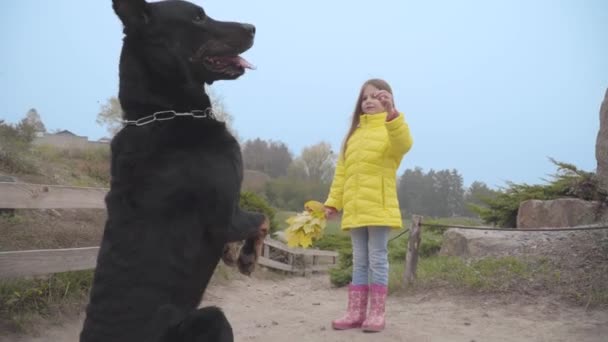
{"x": 200, "y": 17}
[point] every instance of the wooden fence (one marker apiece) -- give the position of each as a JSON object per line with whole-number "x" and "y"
{"x": 14, "y": 264}
{"x": 411, "y": 257}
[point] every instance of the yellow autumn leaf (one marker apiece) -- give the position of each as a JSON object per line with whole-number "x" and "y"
{"x": 305, "y": 241}
{"x": 292, "y": 240}
{"x": 314, "y": 206}
{"x": 299, "y": 219}
{"x": 320, "y": 216}
{"x": 307, "y": 226}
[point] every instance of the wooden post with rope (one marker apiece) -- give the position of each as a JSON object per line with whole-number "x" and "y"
{"x": 411, "y": 257}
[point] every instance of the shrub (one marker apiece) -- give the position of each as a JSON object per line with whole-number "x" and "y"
{"x": 568, "y": 182}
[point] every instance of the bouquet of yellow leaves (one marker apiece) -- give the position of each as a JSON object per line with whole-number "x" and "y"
{"x": 306, "y": 226}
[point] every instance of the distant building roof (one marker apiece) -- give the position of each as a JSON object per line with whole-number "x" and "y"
{"x": 65, "y": 132}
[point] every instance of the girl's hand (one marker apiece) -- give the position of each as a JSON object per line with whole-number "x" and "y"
{"x": 386, "y": 99}
{"x": 330, "y": 212}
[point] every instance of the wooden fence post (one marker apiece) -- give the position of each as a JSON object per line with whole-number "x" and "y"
{"x": 411, "y": 257}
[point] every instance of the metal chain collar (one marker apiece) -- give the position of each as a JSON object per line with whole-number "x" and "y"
{"x": 169, "y": 115}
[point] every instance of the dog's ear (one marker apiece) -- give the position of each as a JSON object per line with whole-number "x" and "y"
{"x": 132, "y": 13}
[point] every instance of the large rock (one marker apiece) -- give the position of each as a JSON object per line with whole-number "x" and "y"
{"x": 558, "y": 246}
{"x": 474, "y": 243}
{"x": 601, "y": 145}
{"x": 562, "y": 212}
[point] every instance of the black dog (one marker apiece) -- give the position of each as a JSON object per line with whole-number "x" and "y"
{"x": 176, "y": 178}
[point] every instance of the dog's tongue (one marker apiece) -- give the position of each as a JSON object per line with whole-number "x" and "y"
{"x": 243, "y": 63}
{"x": 236, "y": 60}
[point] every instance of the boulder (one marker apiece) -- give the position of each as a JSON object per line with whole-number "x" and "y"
{"x": 601, "y": 145}
{"x": 476, "y": 243}
{"x": 560, "y": 246}
{"x": 562, "y": 212}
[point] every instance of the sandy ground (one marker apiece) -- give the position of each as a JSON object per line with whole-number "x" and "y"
{"x": 301, "y": 309}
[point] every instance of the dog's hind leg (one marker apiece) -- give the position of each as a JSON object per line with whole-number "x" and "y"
{"x": 230, "y": 253}
{"x": 207, "y": 324}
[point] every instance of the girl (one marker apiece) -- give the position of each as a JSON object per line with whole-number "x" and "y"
{"x": 364, "y": 187}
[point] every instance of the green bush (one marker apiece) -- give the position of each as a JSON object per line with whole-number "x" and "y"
{"x": 340, "y": 277}
{"x": 333, "y": 242}
{"x": 251, "y": 202}
{"x": 342, "y": 274}
{"x": 569, "y": 181}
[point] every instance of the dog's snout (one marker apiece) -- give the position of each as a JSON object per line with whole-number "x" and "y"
{"x": 249, "y": 28}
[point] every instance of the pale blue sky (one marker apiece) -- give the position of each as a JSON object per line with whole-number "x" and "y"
{"x": 491, "y": 88}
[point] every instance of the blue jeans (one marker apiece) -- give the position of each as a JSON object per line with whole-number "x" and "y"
{"x": 370, "y": 255}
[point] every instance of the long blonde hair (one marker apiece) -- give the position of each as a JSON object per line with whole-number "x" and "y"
{"x": 375, "y": 82}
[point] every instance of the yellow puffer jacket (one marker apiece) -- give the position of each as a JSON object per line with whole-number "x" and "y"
{"x": 364, "y": 183}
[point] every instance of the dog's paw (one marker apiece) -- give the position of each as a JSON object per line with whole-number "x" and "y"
{"x": 265, "y": 226}
{"x": 262, "y": 233}
{"x": 253, "y": 249}
{"x": 230, "y": 254}
{"x": 246, "y": 262}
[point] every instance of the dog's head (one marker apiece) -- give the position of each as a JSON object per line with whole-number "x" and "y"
{"x": 178, "y": 40}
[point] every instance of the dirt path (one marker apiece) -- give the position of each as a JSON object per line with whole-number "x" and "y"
{"x": 300, "y": 310}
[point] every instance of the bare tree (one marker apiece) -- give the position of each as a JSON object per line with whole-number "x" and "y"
{"x": 220, "y": 111}
{"x": 319, "y": 161}
{"x": 297, "y": 170}
{"x": 110, "y": 116}
{"x": 33, "y": 119}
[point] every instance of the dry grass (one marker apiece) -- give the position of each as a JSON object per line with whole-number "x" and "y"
{"x": 76, "y": 167}
{"x": 25, "y": 302}
{"x": 56, "y": 228}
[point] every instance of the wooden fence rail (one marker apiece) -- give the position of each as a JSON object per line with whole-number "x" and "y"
{"x": 39, "y": 196}
{"x": 14, "y": 264}
{"x": 17, "y": 264}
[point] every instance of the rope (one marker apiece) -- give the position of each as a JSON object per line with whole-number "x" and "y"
{"x": 515, "y": 229}
{"x": 445, "y": 226}
{"x": 403, "y": 232}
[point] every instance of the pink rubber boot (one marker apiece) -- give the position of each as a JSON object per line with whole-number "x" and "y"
{"x": 375, "y": 319}
{"x": 357, "y": 308}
